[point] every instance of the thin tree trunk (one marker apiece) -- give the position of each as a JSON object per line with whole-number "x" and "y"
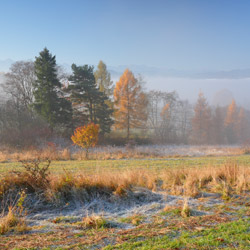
{"x": 87, "y": 154}
{"x": 128, "y": 107}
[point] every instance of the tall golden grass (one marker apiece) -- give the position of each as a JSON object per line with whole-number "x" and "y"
{"x": 191, "y": 182}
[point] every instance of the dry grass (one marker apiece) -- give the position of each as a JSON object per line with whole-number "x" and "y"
{"x": 65, "y": 154}
{"x": 94, "y": 221}
{"x": 13, "y": 221}
{"x": 190, "y": 182}
{"x": 107, "y": 153}
{"x": 186, "y": 211}
{"x": 8, "y": 222}
{"x": 134, "y": 219}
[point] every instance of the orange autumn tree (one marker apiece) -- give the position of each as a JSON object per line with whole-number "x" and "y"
{"x": 130, "y": 103}
{"x": 231, "y": 122}
{"x": 86, "y": 137}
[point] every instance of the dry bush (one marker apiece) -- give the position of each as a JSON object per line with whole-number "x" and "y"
{"x": 33, "y": 179}
{"x": 35, "y": 174}
{"x": 94, "y": 221}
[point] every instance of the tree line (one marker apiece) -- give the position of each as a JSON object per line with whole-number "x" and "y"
{"x": 41, "y": 101}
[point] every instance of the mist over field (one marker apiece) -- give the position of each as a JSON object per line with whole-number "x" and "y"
{"x": 124, "y": 124}
{"x": 189, "y": 88}
{"x": 219, "y": 87}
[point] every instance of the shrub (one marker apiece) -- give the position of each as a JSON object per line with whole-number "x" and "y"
{"x": 86, "y": 137}
{"x": 36, "y": 173}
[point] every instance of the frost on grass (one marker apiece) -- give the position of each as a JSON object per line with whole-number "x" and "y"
{"x": 140, "y": 215}
{"x": 170, "y": 150}
{"x": 142, "y": 203}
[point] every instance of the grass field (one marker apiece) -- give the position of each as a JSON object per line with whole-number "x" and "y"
{"x": 173, "y": 203}
{"x": 155, "y": 163}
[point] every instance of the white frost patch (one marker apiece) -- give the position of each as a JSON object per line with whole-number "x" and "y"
{"x": 141, "y": 201}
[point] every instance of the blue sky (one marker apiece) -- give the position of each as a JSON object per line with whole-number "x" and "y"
{"x": 183, "y": 35}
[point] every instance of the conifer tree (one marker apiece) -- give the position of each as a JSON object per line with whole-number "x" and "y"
{"x": 83, "y": 91}
{"x": 88, "y": 100}
{"x": 130, "y": 103}
{"x": 49, "y": 101}
{"x": 103, "y": 80}
{"x": 201, "y": 122}
{"x": 103, "y": 113}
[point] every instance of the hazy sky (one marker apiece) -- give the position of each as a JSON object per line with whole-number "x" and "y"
{"x": 183, "y": 35}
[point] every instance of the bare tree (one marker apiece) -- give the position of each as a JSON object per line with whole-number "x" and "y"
{"x": 154, "y": 102}
{"x": 18, "y": 83}
{"x": 20, "y": 127}
{"x": 184, "y": 120}
{"x": 165, "y": 116}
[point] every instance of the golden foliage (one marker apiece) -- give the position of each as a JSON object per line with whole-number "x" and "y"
{"x": 231, "y": 114}
{"x": 165, "y": 111}
{"x": 130, "y": 103}
{"x": 86, "y": 136}
{"x": 231, "y": 123}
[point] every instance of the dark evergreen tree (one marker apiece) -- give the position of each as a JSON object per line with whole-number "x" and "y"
{"x": 103, "y": 113}
{"x": 83, "y": 91}
{"x": 88, "y": 100}
{"x": 49, "y": 102}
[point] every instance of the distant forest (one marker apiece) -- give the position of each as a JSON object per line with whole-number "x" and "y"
{"x": 43, "y": 102}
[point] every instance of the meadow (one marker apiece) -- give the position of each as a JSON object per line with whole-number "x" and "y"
{"x": 163, "y": 201}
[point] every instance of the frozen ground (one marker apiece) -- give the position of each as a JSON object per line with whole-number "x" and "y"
{"x": 140, "y": 202}
{"x": 154, "y": 214}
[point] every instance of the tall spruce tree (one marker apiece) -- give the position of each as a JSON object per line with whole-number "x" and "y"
{"x": 103, "y": 113}
{"x": 49, "y": 102}
{"x": 88, "y": 100}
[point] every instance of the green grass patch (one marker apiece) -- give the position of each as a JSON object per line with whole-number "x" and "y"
{"x": 92, "y": 166}
{"x": 233, "y": 235}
